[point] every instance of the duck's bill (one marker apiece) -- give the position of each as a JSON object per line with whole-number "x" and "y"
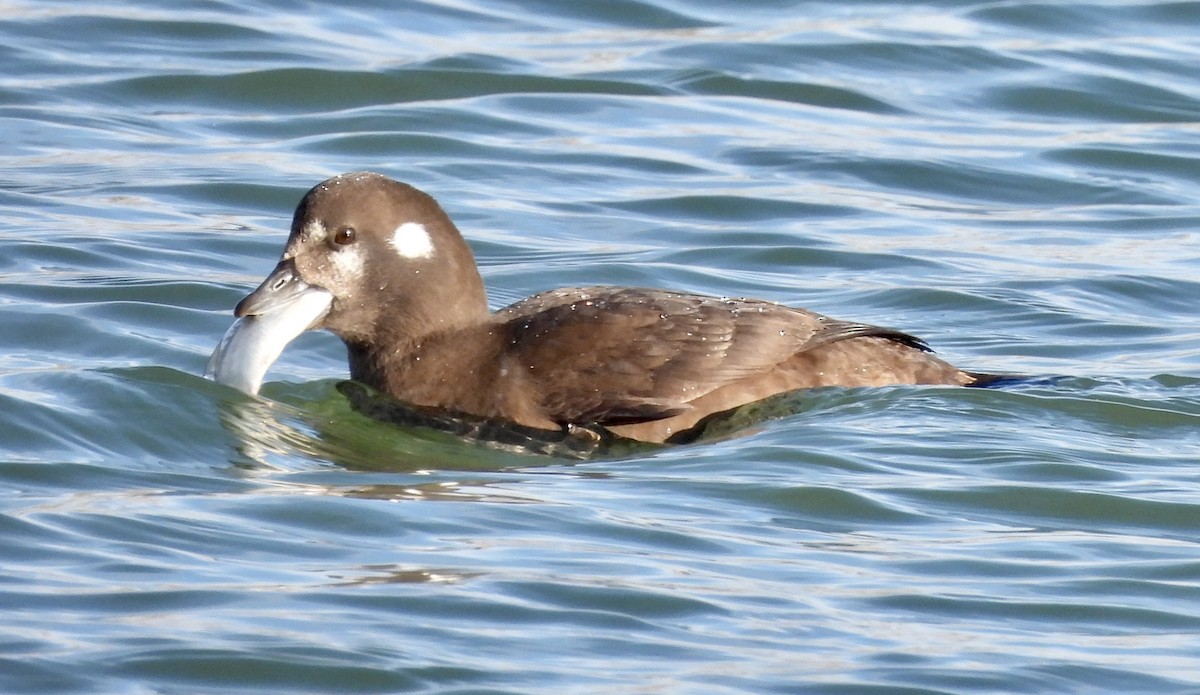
{"x": 281, "y": 309}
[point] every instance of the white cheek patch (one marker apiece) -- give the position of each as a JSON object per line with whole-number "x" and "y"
{"x": 347, "y": 264}
{"x": 412, "y": 240}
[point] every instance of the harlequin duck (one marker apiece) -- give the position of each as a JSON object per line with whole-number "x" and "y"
{"x": 379, "y": 263}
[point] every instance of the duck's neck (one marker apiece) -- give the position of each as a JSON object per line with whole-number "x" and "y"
{"x": 392, "y": 354}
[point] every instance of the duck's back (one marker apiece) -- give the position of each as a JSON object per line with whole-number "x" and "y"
{"x": 650, "y": 363}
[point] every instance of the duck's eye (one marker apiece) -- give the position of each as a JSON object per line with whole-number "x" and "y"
{"x": 344, "y": 236}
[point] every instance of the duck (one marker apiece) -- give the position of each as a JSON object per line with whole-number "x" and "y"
{"x": 380, "y": 264}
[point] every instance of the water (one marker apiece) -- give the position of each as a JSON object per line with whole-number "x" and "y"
{"x": 1016, "y": 182}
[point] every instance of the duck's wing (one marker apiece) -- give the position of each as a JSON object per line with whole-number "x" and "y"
{"x": 616, "y": 356}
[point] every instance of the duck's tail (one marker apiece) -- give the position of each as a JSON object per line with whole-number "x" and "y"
{"x": 981, "y": 380}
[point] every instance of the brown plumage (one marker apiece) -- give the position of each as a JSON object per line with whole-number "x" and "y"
{"x": 406, "y": 298}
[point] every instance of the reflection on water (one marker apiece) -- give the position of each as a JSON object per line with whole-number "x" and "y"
{"x": 575, "y": 442}
{"x": 386, "y": 574}
{"x": 326, "y": 431}
{"x": 272, "y": 433}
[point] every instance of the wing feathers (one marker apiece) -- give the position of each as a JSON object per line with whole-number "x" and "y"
{"x": 635, "y": 355}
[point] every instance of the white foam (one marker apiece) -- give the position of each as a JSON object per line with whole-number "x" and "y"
{"x": 412, "y": 240}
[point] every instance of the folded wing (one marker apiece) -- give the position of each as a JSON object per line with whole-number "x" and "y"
{"x": 639, "y": 355}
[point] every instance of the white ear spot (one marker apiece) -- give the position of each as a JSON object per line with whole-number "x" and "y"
{"x": 412, "y": 240}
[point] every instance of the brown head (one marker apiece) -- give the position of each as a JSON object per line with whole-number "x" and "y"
{"x": 375, "y": 261}
{"x": 387, "y": 255}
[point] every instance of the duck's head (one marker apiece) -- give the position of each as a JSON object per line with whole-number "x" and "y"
{"x": 370, "y": 259}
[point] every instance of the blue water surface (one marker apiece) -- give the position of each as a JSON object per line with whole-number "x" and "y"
{"x": 1016, "y": 182}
